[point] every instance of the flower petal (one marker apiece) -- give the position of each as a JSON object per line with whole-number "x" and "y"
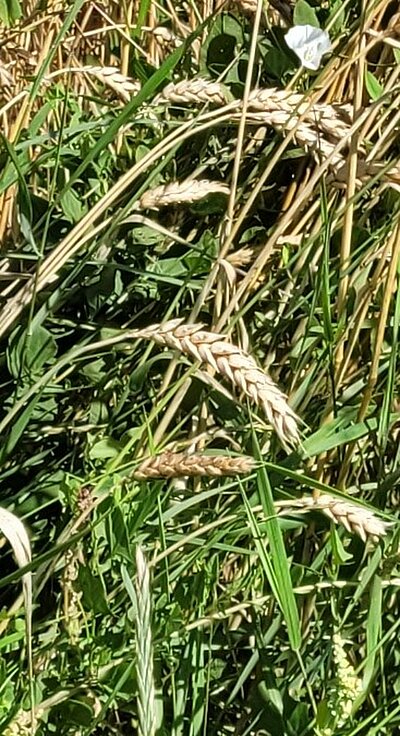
{"x": 309, "y": 44}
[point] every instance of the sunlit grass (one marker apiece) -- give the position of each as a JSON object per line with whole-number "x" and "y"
{"x": 200, "y": 605}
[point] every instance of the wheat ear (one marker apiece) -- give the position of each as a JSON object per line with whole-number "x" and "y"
{"x": 109, "y": 75}
{"x": 231, "y": 361}
{"x": 353, "y": 517}
{"x": 144, "y": 643}
{"x": 177, "y": 464}
{"x": 193, "y": 91}
{"x": 320, "y": 129}
{"x": 190, "y": 190}
{"x": 287, "y": 107}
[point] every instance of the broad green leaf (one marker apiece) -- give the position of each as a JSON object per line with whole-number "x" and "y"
{"x": 71, "y": 205}
{"x": 93, "y": 593}
{"x": 304, "y": 14}
{"x": 4, "y": 17}
{"x": 14, "y": 10}
{"x": 104, "y": 448}
{"x": 30, "y": 352}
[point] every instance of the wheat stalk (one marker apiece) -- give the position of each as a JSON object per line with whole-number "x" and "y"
{"x": 194, "y": 91}
{"x": 144, "y": 659}
{"x": 190, "y": 190}
{"x": 321, "y": 126}
{"x": 234, "y": 363}
{"x": 179, "y": 464}
{"x": 353, "y": 517}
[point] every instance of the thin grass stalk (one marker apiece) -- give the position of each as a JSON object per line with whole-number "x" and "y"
{"x": 383, "y": 317}
{"x": 242, "y": 121}
{"x": 347, "y": 232}
{"x": 259, "y": 263}
{"x": 146, "y": 701}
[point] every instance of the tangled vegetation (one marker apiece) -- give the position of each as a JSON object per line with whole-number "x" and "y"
{"x": 199, "y": 315}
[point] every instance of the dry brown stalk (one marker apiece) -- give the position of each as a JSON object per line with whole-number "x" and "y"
{"x": 234, "y": 363}
{"x": 194, "y": 91}
{"x": 179, "y": 464}
{"x": 190, "y": 190}
{"x": 248, "y": 6}
{"x": 354, "y": 518}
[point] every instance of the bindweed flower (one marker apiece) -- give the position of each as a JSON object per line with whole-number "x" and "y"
{"x": 309, "y": 44}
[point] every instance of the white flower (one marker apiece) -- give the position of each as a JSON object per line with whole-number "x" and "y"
{"x": 309, "y": 44}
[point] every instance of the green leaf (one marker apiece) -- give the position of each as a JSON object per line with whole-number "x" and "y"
{"x": 374, "y": 88}
{"x": 339, "y": 552}
{"x": 304, "y": 15}
{"x": 374, "y": 630}
{"x": 93, "y": 593}
{"x": 104, "y": 448}
{"x": 278, "y": 569}
{"x": 77, "y": 712}
{"x": 337, "y": 11}
{"x": 14, "y": 10}
{"x": 29, "y": 353}
{"x": 4, "y": 17}
{"x": 71, "y": 206}
{"x": 220, "y": 48}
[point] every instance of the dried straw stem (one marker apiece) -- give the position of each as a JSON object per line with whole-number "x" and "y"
{"x": 175, "y": 465}
{"x": 190, "y": 190}
{"x": 234, "y": 363}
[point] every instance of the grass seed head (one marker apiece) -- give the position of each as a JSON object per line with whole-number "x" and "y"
{"x": 353, "y": 517}
{"x": 175, "y": 465}
{"x": 235, "y": 364}
{"x": 193, "y": 91}
{"x": 185, "y": 192}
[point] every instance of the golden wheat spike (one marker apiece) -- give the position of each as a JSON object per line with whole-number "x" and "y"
{"x": 178, "y": 464}
{"x": 231, "y": 361}
{"x": 353, "y": 517}
{"x": 193, "y": 91}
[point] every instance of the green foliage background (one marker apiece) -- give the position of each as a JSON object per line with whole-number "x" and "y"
{"x": 245, "y": 604}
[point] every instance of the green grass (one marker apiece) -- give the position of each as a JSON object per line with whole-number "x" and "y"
{"x": 238, "y": 619}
